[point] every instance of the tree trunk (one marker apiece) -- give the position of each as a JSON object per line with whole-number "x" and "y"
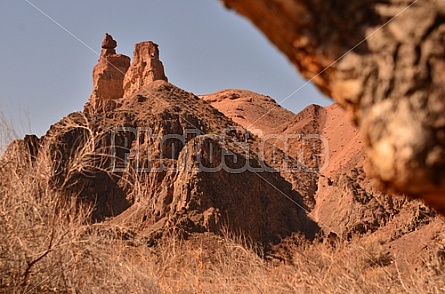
{"x": 382, "y": 60}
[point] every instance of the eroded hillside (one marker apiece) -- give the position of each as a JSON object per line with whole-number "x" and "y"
{"x": 161, "y": 190}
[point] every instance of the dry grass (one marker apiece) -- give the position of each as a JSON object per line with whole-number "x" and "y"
{"x": 47, "y": 245}
{"x": 7, "y": 133}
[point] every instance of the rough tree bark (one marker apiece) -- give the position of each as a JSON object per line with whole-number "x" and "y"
{"x": 382, "y": 60}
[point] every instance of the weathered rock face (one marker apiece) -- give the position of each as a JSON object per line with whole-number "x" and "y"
{"x": 145, "y": 68}
{"x": 384, "y": 63}
{"x": 109, "y": 73}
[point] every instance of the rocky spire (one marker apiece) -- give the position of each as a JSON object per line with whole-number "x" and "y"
{"x": 145, "y": 68}
{"x": 114, "y": 78}
{"x": 109, "y": 73}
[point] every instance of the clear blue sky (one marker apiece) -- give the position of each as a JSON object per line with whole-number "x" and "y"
{"x": 46, "y": 71}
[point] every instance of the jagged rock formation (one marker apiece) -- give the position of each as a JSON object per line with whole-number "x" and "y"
{"x": 145, "y": 68}
{"x": 114, "y": 77}
{"x": 383, "y": 62}
{"x": 109, "y": 73}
